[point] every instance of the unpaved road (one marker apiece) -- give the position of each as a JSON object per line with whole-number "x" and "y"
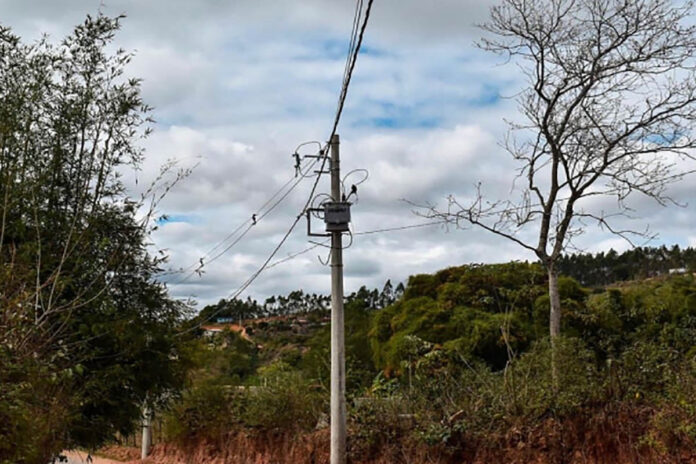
{"x": 79, "y": 457}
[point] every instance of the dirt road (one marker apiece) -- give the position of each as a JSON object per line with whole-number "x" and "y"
{"x": 80, "y": 457}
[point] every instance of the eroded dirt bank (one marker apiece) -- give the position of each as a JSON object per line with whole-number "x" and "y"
{"x": 620, "y": 436}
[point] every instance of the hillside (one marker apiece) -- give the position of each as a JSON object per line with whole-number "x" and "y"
{"x": 457, "y": 369}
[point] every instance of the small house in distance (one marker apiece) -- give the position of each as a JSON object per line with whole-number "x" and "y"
{"x": 210, "y": 330}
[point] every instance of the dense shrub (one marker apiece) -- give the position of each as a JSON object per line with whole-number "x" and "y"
{"x": 476, "y": 310}
{"x": 203, "y": 411}
{"x": 284, "y": 401}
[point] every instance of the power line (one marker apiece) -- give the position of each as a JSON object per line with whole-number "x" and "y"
{"x": 395, "y": 229}
{"x": 231, "y": 234}
{"x": 353, "y": 36}
{"x": 295, "y": 255}
{"x": 367, "y": 232}
{"x": 259, "y": 218}
{"x": 250, "y": 223}
{"x": 350, "y": 66}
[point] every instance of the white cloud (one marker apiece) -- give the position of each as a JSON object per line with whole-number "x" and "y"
{"x": 238, "y": 85}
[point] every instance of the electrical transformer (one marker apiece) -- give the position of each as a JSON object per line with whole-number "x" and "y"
{"x": 337, "y": 216}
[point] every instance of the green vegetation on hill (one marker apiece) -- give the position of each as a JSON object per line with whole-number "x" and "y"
{"x": 637, "y": 263}
{"x": 460, "y": 358}
{"x": 463, "y": 311}
{"x": 296, "y": 302}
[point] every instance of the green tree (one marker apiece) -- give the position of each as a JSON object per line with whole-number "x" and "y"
{"x": 86, "y": 333}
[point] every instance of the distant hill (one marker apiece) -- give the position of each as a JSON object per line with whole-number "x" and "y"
{"x": 639, "y": 263}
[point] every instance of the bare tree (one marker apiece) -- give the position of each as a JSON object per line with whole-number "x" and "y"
{"x": 608, "y": 110}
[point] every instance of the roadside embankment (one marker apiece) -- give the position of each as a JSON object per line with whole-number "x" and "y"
{"x": 608, "y": 435}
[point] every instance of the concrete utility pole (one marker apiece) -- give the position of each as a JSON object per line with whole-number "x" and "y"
{"x": 338, "y": 354}
{"x": 147, "y": 432}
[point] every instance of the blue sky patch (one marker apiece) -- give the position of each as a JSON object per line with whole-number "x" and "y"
{"x": 396, "y": 122}
{"x": 333, "y": 49}
{"x": 173, "y": 218}
{"x": 376, "y": 52}
{"x": 663, "y": 139}
{"x": 489, "y": 95}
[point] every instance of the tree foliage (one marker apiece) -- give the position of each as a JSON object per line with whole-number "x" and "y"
{"x": 479, "y": 311}
{"x": 638, "y": 263}
{"x": 295, "y": 302}
{"x": 86, "y": 333}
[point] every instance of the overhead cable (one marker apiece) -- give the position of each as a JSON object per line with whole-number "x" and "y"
{"x": 350, "y": 66}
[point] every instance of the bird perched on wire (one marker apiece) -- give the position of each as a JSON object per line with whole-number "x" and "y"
{"x": 353, "y": 191}
{"x": 253, "y": 219}
{"x": 199, "y": 269}
{"x": 297, "y": 163}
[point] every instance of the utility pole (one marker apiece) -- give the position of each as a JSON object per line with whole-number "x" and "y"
{"x": 338, "y": 353}
{"x": 147, "y": 432}
{"x": 336, "y": 219}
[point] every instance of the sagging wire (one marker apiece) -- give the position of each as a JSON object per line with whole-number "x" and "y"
{"x": 354, "y": 185}
{"x": 210, "y": 256}
{"x": 330, "y": 247}
{"x": 295, "y": 255}
{"x": 257, "y": 220}
{"x": 395, "y": 229}
{"x": 350, "y": 66}
{"x": 328, "y": 258}
{"x": 326, "y": 243}
{"x": 316, "y": 209}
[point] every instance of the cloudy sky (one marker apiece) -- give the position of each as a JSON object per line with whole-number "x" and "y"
{"x": 238, "y": 84}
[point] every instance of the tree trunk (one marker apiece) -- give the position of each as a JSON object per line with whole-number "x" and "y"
{"x": 555, "y": 304}
{"x": 554, "y": 323}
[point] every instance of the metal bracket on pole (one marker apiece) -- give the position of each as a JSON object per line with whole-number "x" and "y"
{"x": 322, "y": 154}
{"x": 308, "y": 213}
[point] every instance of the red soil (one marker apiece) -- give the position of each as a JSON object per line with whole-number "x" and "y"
{"x": 607, "y": 436}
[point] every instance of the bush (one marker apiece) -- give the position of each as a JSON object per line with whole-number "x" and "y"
{"x": 529, "y": 389}
{"x": 646, "y": 369}
{"x": 377, "y": 421}
{"x": 203, "y": 411}
{"x": 452, "y": 399}
{"x": 285, "y": 401}
{"x": 33, "y": 406}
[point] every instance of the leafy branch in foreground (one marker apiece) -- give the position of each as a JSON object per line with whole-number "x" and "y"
{"x": 85, "y": 330}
